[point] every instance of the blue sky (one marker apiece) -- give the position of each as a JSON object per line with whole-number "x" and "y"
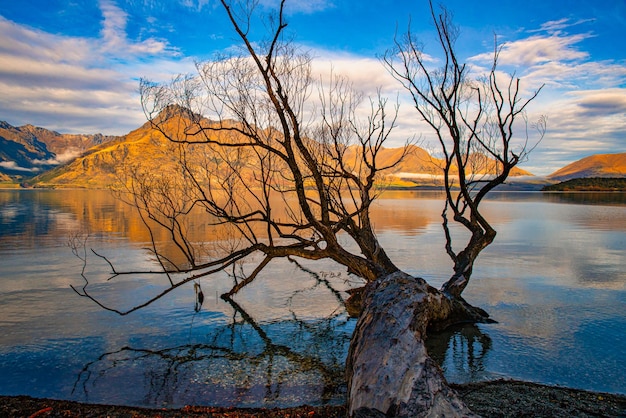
{"x": 74, "y": 65}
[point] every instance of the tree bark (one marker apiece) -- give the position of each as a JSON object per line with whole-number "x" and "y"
{"x": 388, "y": 370}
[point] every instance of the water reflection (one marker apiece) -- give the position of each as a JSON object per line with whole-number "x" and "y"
{"x": 37, "y": 218}
{"x": 461, "y": 351}
{"x": 554, "y": 280}
{"x": 243, "y": 363}
{"x": 587, "y": 198}
{"x": 25, "y": 215}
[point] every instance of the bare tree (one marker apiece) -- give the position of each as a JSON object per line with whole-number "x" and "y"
{"x": 281, "y": 165}
{"x": 473, "y": 120}
{"x": 258, "y": 146}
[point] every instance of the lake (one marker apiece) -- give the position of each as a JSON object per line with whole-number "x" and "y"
{"x": 554, "y": 280}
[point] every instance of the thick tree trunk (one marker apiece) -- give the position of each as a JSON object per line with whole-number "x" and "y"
{"x": 388, "y": 369}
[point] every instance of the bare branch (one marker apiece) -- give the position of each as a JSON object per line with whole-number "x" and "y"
{"x": 474, "y": 122}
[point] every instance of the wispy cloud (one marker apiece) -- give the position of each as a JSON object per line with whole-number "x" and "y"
{"x": 556, "y": 26}
{"x": 300, "y": 6}
{"x": 78, "y": 84}
{"x": 61, "y": 158}
{"x": 538, "y": 49}
{"x": 114, "y": 38}
{"x": 12, "y": 165}
{"x": 584, "y": 99}
{"x": 195, "y": 4}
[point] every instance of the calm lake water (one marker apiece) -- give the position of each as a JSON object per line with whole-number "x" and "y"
{"x": 554, "y": 279}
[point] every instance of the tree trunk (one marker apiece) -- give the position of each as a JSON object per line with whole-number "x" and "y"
{"x": 388, "y": 369}
{"x": 460, "y": 279}
{"x": 482, "y": 236}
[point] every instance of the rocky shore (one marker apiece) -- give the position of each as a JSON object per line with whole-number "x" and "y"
{"x": 501, "y": 398}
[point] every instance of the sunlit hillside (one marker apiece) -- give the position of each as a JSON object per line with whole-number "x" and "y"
{"x": 110, "y": 164}
{"x": 420, "y": 168}
{"x": 147, "y": 150}
{"x": 599, "y": 165}
{"x": 144, "y": 151}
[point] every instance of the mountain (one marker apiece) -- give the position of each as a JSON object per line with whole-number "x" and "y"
{"x": 21, "y": 153}
{"x": 66, "y": 146}
{"x": 148, "y": 150}
{"x": 104, "y": 165}
{"x": 48, "y": 159}
{"x": 598, "y": 165}
{"x": 28, "y": 150}
{"x": 420, "y": 168}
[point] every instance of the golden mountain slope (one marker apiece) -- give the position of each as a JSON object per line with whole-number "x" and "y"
{"x": 110, "y": 164}
{"x": 106, "y": 164}
{"x": 103, "y": 165}
{"x": 599, "y": 165}
{"x": 418, "y": 163}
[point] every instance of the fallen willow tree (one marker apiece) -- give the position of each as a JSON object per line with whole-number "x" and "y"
{"x": 388, "y": 368}
{"x": 272, "y": 162}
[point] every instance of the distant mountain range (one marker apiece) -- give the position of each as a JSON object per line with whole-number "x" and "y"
{"x": 45, "y": 158}
{"x": 28, "y": 150}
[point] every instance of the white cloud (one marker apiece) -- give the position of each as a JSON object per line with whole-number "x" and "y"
{"x": 365, "y": 73}
{"x": 37, "y": 45}
{"x": 602, "y": 103}
{"x": 64, "y": 157}
{"x": 12, "y": 165}
{"x": 79, "y": 84}
{"x": 538, "y": 49}
{"x": 584, "y": 100}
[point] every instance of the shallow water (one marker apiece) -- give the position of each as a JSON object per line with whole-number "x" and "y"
{"x": 553, "y": 280}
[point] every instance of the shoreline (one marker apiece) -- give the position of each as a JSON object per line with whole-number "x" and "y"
{"x": 498, "y": 398}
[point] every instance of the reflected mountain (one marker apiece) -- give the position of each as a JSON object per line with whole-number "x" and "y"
{"x": 25, "y": 215}
{"x": 554, "y": 282}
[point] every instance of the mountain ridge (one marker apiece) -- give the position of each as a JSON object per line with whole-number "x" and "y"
{"x": 46, "y": 158}
{"x": 27, "y": 150}
{"x": 596, "y": 165}
{"x": 106, "y": 164}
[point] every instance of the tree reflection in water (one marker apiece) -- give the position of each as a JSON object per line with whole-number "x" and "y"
{"x": 461, "y": 352}
{"x": 250, "y": 364}
{"x": 242, "y": 363}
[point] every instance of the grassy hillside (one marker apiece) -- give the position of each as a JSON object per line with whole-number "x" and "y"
{"x": 599, "y": 165}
